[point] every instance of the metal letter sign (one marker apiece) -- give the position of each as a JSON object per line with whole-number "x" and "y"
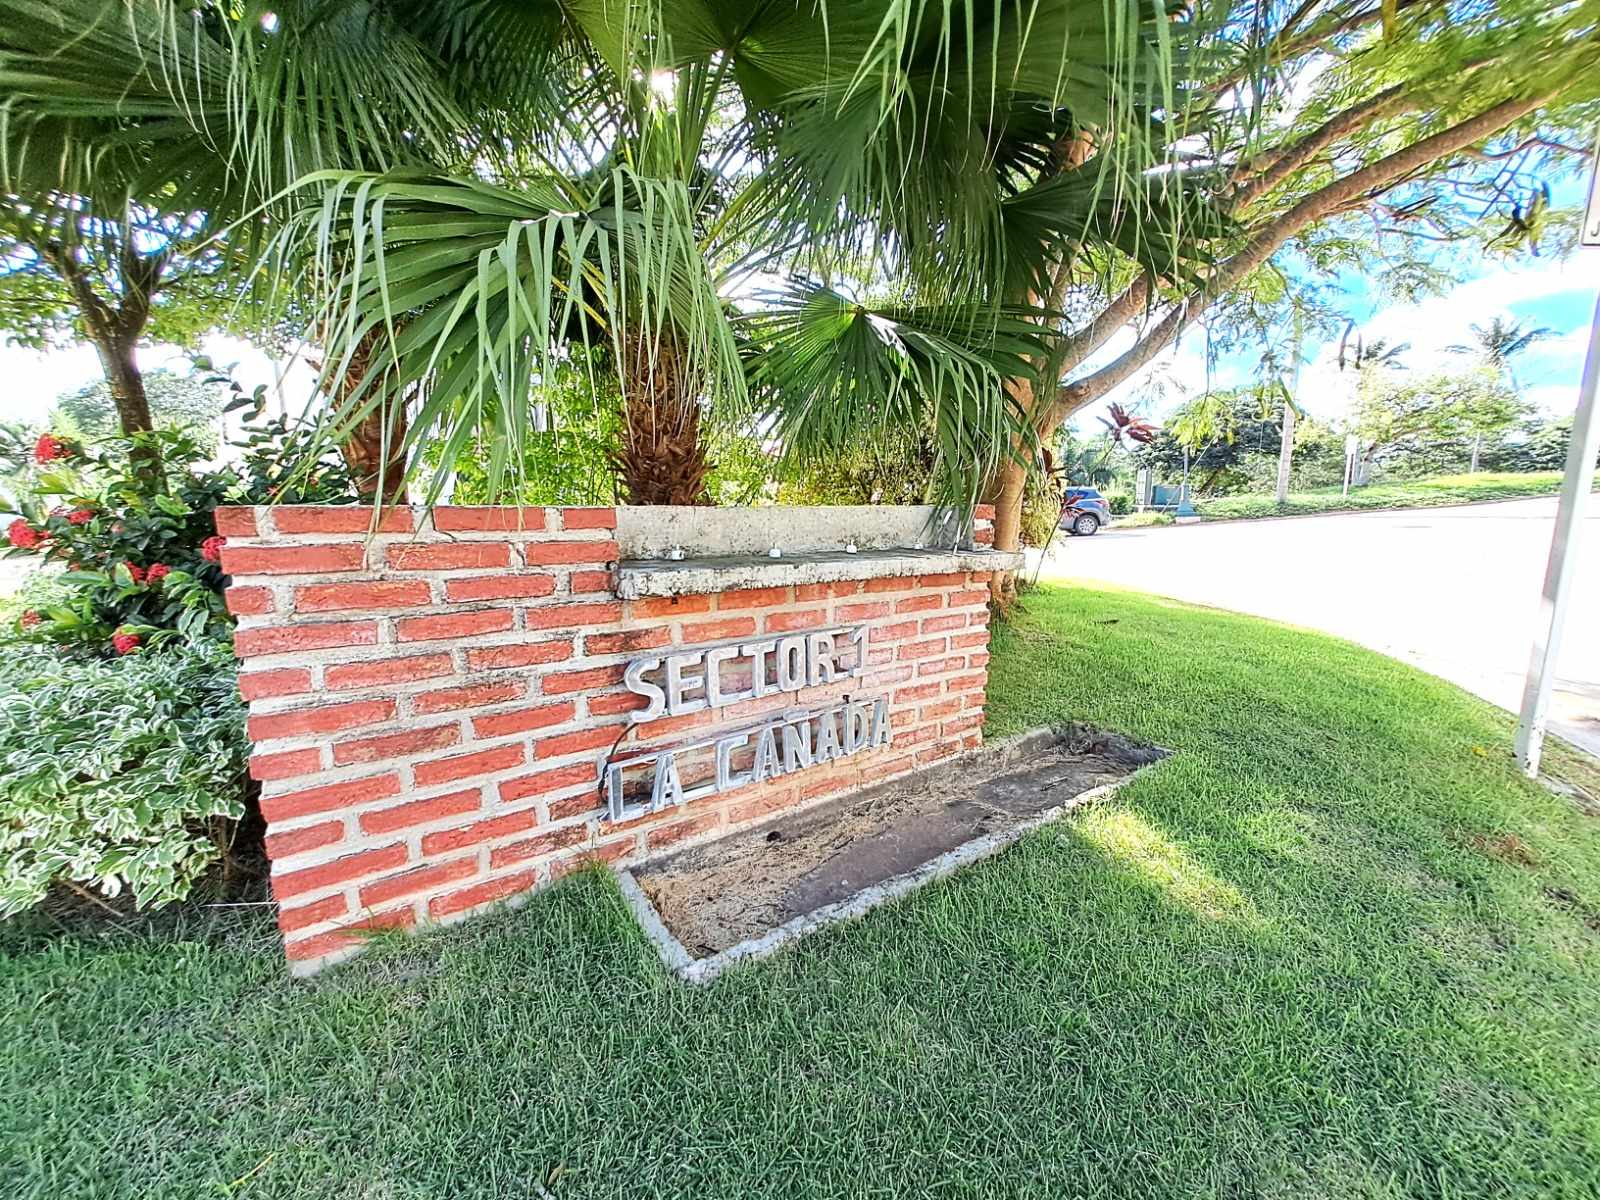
{"x": 716, "y": 676}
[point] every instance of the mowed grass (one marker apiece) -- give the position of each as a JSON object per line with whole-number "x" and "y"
{"x": 1418, "y": 493}
{"x": 1333, "y": 947}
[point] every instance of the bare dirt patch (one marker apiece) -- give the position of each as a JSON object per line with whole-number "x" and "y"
{"x": 717, "y": 895}
{"x": 1507, "y": 848}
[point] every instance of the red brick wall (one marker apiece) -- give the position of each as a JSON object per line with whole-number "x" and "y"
{"x": 430, "y": 706}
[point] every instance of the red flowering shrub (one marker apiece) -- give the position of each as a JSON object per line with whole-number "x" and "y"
{"x": 116, "y": 525}
{"x": 23, "y": 535}
{"x": 49, "y": 448}
{"x": 140, "y": 547}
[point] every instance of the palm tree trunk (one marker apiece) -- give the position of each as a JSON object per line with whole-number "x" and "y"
{"x": 662, "y": 459}
{"x": 1010, "y": 485}
{"x": 373, "y": 450}
{"x": 1006, "y": 490}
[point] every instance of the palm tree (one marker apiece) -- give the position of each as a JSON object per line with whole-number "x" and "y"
{"x": 1379, "y": 352}
{"x": 840, "y": 215}
{"x": 1496, "y": 344}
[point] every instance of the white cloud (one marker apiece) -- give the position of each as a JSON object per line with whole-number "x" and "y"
{"x": 1555, "y": 399}
{"x": 1435, "y": 324}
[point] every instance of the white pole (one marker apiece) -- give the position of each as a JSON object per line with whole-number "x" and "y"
{"x": 1558, "y": 574}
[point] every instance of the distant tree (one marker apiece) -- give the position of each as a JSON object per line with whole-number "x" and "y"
{"x": 1085, "y": 465}
{"x": 1212, "y": 436}
{"x": 1535, "y": 444}
{"x": 1356, "y": 353}
{"x": 1380, "y": 353}
{"x": 182, "y": 402}
{"x": 111, "y": 272}
{"x": 1439, "y": 415}
{"x": 1496, "y": 344}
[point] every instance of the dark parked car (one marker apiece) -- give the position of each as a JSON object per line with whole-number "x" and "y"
{"x": 1086, "y": 510}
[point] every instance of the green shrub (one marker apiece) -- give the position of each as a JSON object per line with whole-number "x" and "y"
{"x": 881, "y": 468}
{"x": 120, "y": 774}
{"x": 1121, "y": 504}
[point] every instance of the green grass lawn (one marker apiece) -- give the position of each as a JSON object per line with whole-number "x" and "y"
{"x": 1418, "y": 493}
{"x": 1333, "y": 947}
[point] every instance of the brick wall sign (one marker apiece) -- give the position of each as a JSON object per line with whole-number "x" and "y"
{"x": 462, "y": 704}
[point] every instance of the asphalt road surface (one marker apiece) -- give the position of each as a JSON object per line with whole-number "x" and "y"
{"x": 1454, "y": 591}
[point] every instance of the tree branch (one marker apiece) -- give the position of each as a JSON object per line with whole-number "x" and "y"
{"x": 1284, "y": 44}
{"x": 97, "y": 314}
{"x": 1264, "y": 177}
{"x": 1265, "y": 242}
{"x": 1285, "y": 161}
{"x": 1105, "y": 323}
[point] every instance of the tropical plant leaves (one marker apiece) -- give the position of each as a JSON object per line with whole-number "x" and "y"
{"x": 651, "y": 157}
{"x": 835, "y": 370}
{"x": 475, "y": 290}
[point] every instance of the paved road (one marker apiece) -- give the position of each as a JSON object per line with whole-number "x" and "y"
{"x": 1452, "y": 590}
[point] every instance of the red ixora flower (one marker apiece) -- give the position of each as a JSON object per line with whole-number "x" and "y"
{"x": 29, "y": 619}
{"x": 49, "y": 448}
{"x": 24, "y": 536}
{"x": 124, "y": 642}
{"x": 81, "y": 516}
{"x": 156, "y": 572}
{"x": 136, "y": 572}
{"x": 211, "y": 548}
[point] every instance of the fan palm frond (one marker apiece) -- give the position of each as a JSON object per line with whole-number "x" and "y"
{"x": 834, "y": 369}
